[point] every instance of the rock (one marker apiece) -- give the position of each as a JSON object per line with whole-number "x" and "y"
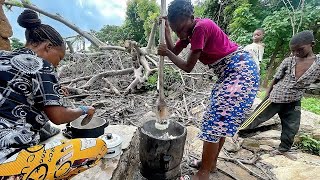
{"x": 243, "y": 154}
{"x": 103, "y": 170}
{"x": 193, "y": 143}
{"x": 275, "y": 120}
{"x": 266, "y": 148}
{"x": 251, "y": 144}
{"x": 270, "y": 142}
{"x": 196, "y": 110}
{"x": 316, "y": 134}
{"x": 309, "y": 122}
{"x": 234, "y": 170}
{"x": 254, "y": 145}
{"x": 232, "y": 146}
{"x": 197, "y": 114}
{"x": 271, "y": 134}
{"x": 307, "y": 167}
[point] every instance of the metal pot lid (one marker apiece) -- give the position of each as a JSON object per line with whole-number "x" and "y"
{"x": 112, "y": 140}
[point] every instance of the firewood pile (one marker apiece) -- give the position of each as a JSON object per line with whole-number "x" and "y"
{"x": 122, "y": 84}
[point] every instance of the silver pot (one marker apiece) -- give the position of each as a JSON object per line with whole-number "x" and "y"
{"x": 114, "y": 145}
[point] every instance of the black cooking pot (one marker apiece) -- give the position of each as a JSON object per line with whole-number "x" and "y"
{"x": 93, "y": 129}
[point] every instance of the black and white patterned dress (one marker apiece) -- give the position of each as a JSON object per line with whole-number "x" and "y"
{"x": 27, "y": 84}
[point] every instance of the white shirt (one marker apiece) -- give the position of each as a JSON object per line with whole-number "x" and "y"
{"x": 256, "y": 50}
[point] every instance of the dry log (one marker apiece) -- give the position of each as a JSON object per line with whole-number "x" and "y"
{"x": 103, "y": 74}
{"x": 184, "y": 96}
{"x": 152, "y": 60}
{"x": 151, "y": 40}
{"x": 112, "y": 48}
{"x": 146, "y": 67}
{"x": 112, "y": 87}
{"x": 137, "y": 74}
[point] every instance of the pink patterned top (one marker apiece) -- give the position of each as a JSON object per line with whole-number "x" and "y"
{"x": 213, "y": 42}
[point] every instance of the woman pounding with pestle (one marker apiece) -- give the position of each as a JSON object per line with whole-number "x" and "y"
{"x": 238, "y": 77}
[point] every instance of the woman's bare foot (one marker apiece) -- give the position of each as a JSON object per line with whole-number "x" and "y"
{"x": 195, "y": 163}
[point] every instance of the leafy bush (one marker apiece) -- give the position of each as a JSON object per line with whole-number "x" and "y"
{"x": 171, "y": 76}
{"x": 311, "y": 104}
{"x": 309, "y": 144}
{"x": 263, "y": 69}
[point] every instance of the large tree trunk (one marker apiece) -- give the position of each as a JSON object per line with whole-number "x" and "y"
{"x": 5, "y": 30}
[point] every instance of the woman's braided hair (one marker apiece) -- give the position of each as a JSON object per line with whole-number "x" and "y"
{"x": 37, "y": 32}
{"x": 178, "y": 9}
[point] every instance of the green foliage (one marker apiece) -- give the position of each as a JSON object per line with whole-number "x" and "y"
{"x": 149, "y": 11}
{"x": 263, "y": 68}
{"x": 16, "y": 43}
{"x": 152, "y": 82}
{"x": 311, "y": 104}
{"x": 171, "y": 76}
{"x": 243, "y": 24}
{"x": 111, "y": 34}
{"x": 16, "y": 3}
{"x": 199, "y": 9}
{"x": 309, "y": 144}
{"x": 140, "y": 16}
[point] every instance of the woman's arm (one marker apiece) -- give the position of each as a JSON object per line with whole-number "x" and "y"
{"x": 175, "y": 49}
{"x": 184, "y": 65}
{"x": 61, "y": 115}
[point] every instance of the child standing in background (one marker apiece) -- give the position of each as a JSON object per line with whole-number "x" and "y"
{"x": 256, "y": 48}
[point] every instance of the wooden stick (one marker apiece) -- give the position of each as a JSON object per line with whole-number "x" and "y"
{"x": 183, "y": 95}
{"x": 112, "y": 87}
{"x": 152, "y": 60}
{"x": 162, "y": 107}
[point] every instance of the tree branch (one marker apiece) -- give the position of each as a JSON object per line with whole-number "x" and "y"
{"x": 151, "y": 39}
{"x": 96, "y": 42}
{"x": 103, "y": 74}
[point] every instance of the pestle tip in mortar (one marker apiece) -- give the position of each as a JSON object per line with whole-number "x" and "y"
{"x": 161, "y": 126}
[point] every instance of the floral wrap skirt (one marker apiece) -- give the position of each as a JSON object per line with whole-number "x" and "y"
{"x": 232, "y": 96}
